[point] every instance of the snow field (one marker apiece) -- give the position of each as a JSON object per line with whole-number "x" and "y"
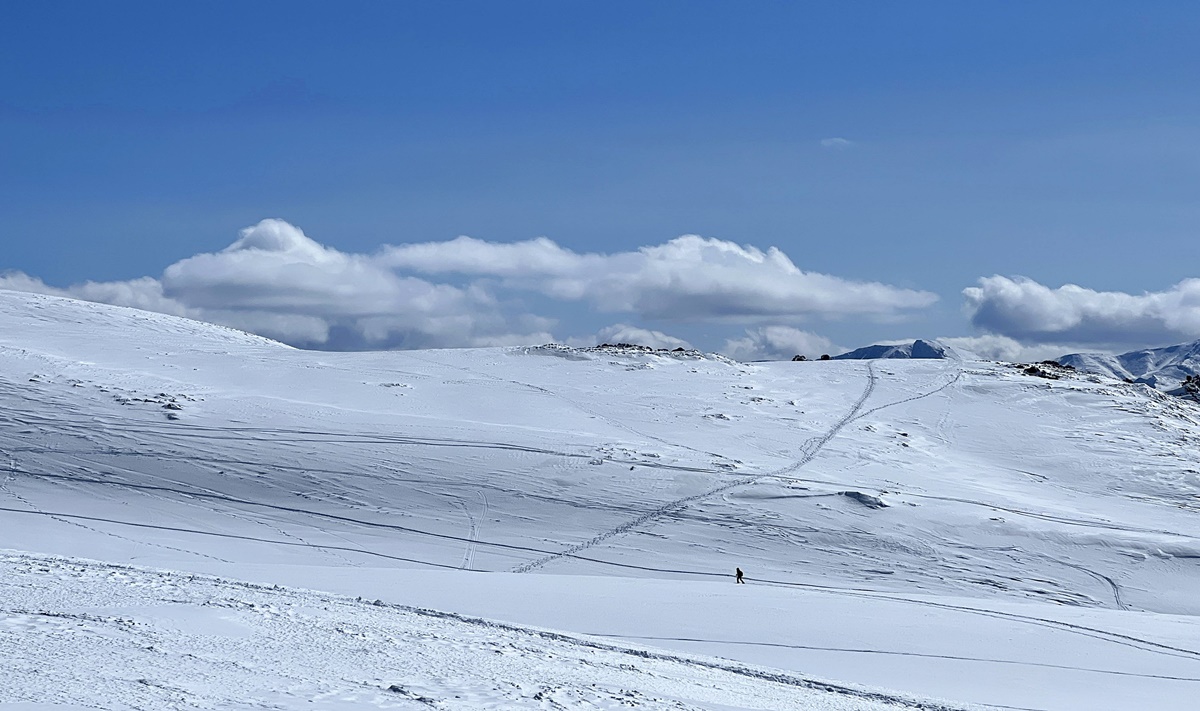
{"x": 137, "y": 638}
{"x": 948, "y": 529}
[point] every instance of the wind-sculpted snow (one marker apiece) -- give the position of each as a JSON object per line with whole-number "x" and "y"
{"x": 76, "y": 632}
{"x": 943, "y": 528}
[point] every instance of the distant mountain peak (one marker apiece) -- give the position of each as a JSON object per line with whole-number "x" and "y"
{"x": 918, "y": 349}
{"x": 1163, "y": 368}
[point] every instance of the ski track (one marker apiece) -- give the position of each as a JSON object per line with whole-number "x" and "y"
{"x": 811, "y": 449}
{"x": 277, "y": 507}
{"x": 898, "y": 653}
{"x": 294, "y": 436}
{"x": 279, "y": 609}
{"x": 472, "y": 540}
{"x": 1083, "y": 630}
{"x": 617, "y": 424}
{"x": 1069, "y": 627}
{"x": 473, "y": 535}
{"x": 370, "y": 450}
{"x": 1096, "y": 633}
{"x": 155, "y": 492}
{"x": 67, "y": 519}
{"x": 72, "y": 518}
{"x": 922, "y": 396}
{"x": 1104, "y": 579}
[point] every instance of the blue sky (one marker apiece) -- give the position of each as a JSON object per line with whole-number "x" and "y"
{"x": 895, "y": 153}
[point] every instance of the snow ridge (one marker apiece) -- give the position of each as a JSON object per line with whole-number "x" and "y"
{"x": 1162, "y": 368}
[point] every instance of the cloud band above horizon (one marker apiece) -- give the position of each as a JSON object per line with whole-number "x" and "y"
{"x": 1031, "y": 313}
{"x": 276, "y": 281}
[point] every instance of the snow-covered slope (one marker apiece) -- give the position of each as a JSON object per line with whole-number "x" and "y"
{"x": 172, "y": 494}
{"x": 1163, "y": 368}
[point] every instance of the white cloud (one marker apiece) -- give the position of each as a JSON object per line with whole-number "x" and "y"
{"x": 1071, "y": 315}
{"x": 777, "y": 343}
{"x": 276, "y": 267}
{"x": 467, "y": 255}
{"x": 288, "y": 328}
{"x": 18, "y": 281}
{"x": 143, "y": 293}
{"x": 276, "y": 281}
{"x": 687, "y": 278}
{"x": 624, "y": 333}
{"x": 836, "y": 143}
{"x": 512, "y": 339}
{"x": 993, "y": 347}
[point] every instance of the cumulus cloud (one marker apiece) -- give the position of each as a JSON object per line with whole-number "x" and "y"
{"x": 18, "y": 281}
{"x": 467, "y": 255}
{"x": 144, "y": 293}
{"x": 296, "y": 329}
{"x": 687, "y": 278}
{"x": 276, "y": 267}
{"x": 279, "y": 282}
{"x": 1029, "y": 312}
{"x": 993, "y": 347}
{"x": 777, "y": 343}
{"x": 276, "y": 281}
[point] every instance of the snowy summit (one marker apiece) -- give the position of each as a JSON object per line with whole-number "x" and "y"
{"x": 1162, "y": 368}
{"x": 917, "y": 349}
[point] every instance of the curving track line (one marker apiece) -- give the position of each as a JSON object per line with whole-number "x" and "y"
{"x": 1109, "y": 636}
{"x": 887, "y": 652}
{"x": 957, "y": 376}
{"x": 227, "y": 586}
{"x": 812, "y": 448}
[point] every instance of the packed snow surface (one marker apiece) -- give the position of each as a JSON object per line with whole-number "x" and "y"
{"x": 193, "y": 517}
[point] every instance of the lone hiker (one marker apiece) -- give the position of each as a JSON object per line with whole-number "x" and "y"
{"x": 739, "y": 576}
